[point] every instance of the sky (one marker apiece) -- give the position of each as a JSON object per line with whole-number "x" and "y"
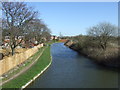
{"x": 74, "y": 18}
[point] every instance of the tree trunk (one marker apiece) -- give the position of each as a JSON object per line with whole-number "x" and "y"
{"x": 103, "y": 47}
{"x": 12, "y": 51}
{"x": 1, "y": 56}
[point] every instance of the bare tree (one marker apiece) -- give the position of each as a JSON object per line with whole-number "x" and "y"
{"x": 36, "y": 29}
{"x": 46, "y": 32}
{"x": 102, "y": 33}
{"x": 16, "y": 16}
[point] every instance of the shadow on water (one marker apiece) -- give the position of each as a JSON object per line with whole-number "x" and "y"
{"x": 72, "y": 70}
{"x": 100, "y": 66}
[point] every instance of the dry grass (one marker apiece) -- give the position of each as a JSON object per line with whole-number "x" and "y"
{"x": 110, "y": 56}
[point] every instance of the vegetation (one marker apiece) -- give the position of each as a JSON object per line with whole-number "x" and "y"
{"x": 101, "y": 44}
{"x": 102, "y": 33}
{"x": 21, "y": 80}
{"x": 21, "y": 25}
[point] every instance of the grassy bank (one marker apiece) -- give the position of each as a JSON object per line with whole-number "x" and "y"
{"x": 108, "y": 57}
{"x": 21, "y": 80}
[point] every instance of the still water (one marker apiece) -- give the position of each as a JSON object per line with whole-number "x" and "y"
{"x": 71, "y": 70}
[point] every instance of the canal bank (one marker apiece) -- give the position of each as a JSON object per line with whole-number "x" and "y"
{"x": 38, "y": 68}
{"x": 34, "y": 78}
{"x": 104, "y": 58}
{"x": 72, "y": 70}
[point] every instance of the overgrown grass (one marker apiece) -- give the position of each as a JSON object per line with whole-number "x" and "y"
{"x": 21, "y": 80}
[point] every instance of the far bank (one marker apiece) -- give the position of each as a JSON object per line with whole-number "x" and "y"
{"x": 104, "y": 58}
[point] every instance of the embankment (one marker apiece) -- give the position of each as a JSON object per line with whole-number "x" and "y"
{"x": 11, "y": 62}
{"x": 22, "y": 81}
{"x": 104, "y": 58}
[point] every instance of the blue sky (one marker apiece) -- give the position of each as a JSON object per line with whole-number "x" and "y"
{"x": 73, "y": 18}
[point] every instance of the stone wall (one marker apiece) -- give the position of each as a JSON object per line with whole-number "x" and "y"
{"x": 10, "y": 62}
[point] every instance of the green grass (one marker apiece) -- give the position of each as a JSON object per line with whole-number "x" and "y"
{"x": 21, "y": 80}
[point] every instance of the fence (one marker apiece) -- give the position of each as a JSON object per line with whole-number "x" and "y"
{"x": 10, "y": 62}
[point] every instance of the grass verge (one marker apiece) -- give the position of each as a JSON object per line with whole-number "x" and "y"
{"x": 21, "y": 80}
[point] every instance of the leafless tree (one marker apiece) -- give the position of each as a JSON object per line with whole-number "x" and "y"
{"x": 36, "y": 29}
{"x": 102, "y": 33}
{"x": 16, "y": 15}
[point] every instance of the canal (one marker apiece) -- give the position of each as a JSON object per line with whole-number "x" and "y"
{"x": 71, "y": 70}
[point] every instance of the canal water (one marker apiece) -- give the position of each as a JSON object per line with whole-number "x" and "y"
{"x": 72, "y": 70}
